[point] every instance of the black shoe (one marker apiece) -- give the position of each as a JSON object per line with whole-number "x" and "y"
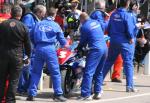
{"x": 132, "y": 90}
{"x": 30, "y": 98}
{"x": 89, "y": 98}
{"x": 97, "y": 96}
{"x": 104, "y": 84}
{"x": 21, "y": 93}
{"x": 59, "y": 98}
{"x": 116, "y": 80}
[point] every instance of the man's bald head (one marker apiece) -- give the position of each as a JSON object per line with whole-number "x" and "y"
{"x": 83, "y": 17}
{"x": 100, "y": 4}
{"x": 40, "y": 11}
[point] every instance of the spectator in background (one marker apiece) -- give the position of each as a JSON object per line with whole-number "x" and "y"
{"x": 14, "y": 36}
{"x": 60, "y": 17}
{"x": 117, "y": 68}
{"x": 74, "y": 7}
{"x": 6, "y": 10}
{"x": 28, "y": 3}
{"x": 134, "y": 11}
{"x": 143, "y": 46}
{"x": 1, "y": 4}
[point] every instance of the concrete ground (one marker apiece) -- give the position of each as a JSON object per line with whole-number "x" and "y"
{"x": 113, "y": 93}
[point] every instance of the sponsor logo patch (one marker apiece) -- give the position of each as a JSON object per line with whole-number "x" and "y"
{"x": 12, "y": 24}
{"x": 45, "y": 28}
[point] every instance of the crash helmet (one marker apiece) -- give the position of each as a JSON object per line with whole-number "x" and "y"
{"x": 73, "y": 21}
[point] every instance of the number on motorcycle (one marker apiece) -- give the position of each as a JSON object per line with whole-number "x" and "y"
{"x": 62, "y": 54}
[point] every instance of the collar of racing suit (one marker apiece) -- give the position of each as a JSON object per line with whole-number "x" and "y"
{"x": 86, "y": 20}
{"x": 50, "y": 18}
{"x": 122, "y": 9}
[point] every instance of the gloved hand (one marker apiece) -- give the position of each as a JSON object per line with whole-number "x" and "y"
{"x": 78, "y": 48}
{"x": 131, "y": 41}
{"x": 79, "y": 51}
{"x": 140, "y": 26}
{"x": 26, "y": 61}
{"x": 142, "y": 41}
{"x": 66, "y": 47}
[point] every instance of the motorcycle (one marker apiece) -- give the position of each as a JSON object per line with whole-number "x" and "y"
{"x": 71, "y": 66}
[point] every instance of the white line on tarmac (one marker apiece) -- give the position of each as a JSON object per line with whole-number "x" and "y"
{"x": 120, "y": 98}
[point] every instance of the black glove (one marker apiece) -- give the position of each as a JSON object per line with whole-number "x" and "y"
{"x": 79, "y": 51}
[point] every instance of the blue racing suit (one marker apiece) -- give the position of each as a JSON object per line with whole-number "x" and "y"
{"x": 121, "y": 31}
{"x": 135, "y": 28}
{"x": 100, "y": 17}
{"x": 93, "y": 36}
{"x": 133, "y": 24}
{"x": 44, "y": 37}
{"x": 30, "y": 21}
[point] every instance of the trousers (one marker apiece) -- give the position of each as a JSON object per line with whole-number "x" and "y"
{"x": 93, "y": 71}
{"x": 10, "y": 69}
{"x": 127, "y": 53}
{"x": 45, "y": 54}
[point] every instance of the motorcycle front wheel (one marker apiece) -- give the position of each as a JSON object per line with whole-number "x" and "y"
{"x": 67, "y": 80}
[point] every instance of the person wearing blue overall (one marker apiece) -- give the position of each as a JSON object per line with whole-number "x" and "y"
{"x": 121, "y": 32}
{"x": 44, "y": 36}
{"x": 30, "y": 20}
{"x": 99, "y": 14}
{"x": 133, "y": 12}
{"x": 93, "y": 36}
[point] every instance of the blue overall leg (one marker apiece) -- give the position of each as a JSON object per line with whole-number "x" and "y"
{"x": 36, "y": 72}
{"x": 113, "y": 52}
{"x": 93, "y": 59}
{"x": 27, "y": 83}
{"x": 23, "y": 80}
{"x": 53, "y": 67}
{"x": 98, "y": 77}
{"x": 127, "y": 55}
